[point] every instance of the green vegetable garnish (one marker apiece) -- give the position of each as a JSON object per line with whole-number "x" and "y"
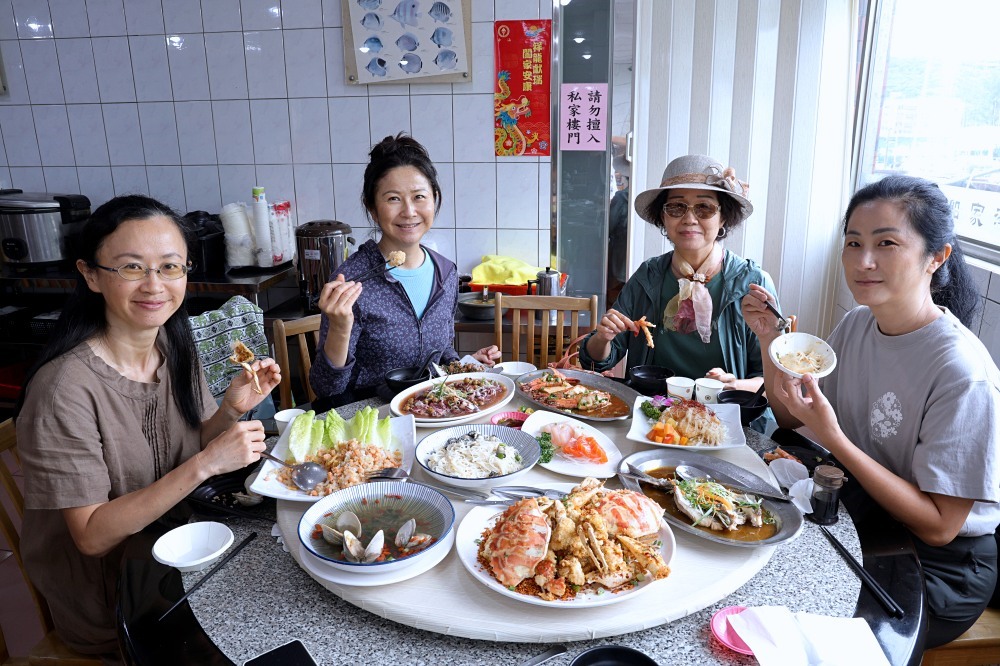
{"x": 548, "y": 450}
{"x": 650, "y": 410}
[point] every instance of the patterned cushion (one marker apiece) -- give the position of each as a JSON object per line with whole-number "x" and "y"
{"x": 216, "y": 330}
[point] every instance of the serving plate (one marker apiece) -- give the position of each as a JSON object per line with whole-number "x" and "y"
{"x": 560, "y": 465}
{"x": 599, "y": 382}
{"x": 729, "y": 414}
{"x": 267, "y": 483}
{"x": 422, "y": 422}
{"x": 481, "y": 517}
{"x": 788, "y": 517}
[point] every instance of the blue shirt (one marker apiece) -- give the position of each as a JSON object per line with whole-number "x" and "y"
{"x": 417, "y": 282}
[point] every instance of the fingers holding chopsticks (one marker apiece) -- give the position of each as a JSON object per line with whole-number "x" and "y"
{"x": 336, "y": 301}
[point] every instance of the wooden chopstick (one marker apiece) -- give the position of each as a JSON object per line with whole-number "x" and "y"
{"x": 211, "y": 572}
{"x": 877, "y": 590}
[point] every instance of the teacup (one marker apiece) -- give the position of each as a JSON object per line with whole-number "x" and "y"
{"x": 680, "y": 387}
{"x": 707, "y": 390}
{"x": 286, "y": 416}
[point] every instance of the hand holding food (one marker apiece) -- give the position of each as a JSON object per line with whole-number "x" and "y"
{"x": 645, "y": 326}
{"x": 613, "y": 323}
{"x": 243, "y": 356}
{"x": 336, "y": 301}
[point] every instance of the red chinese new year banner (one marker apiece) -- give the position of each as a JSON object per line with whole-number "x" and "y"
{"x": 521, "y": 111}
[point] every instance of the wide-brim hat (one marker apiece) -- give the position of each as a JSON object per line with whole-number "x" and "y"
{"x": 697, "y": 172}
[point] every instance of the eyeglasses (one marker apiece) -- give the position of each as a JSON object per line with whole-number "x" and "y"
{"x": 133, "y": 271}
{"x": 703, "y": 211}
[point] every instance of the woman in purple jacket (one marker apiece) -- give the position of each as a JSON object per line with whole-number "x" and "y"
{"x": 396, "y": 318}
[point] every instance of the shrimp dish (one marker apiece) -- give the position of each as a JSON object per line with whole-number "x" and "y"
{"x": 575, "y": 445}
{"x": 594, "y": 539}
{"x": 559, "y": 392}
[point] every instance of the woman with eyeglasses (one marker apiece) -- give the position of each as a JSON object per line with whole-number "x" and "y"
{"x": 116, "y": 424}
{"x": 692, "y": 294}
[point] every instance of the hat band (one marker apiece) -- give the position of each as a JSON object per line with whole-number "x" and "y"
{"x": 726, "y": 181}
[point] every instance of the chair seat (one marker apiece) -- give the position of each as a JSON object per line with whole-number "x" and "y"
{"x": 51, "y": 651}
{"x": 978, "y": 646}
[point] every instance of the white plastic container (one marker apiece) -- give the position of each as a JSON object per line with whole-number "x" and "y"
{"x": 262, "y": 227}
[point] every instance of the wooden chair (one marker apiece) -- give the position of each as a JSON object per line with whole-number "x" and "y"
{"x": 51, "y": 649}
{"x": 548, "y": 336}
{"x": 297, "y": 328}
{"x": 978, "y": 646}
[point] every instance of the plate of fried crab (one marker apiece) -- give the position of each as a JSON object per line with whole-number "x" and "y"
{"x": 579, "y": 546}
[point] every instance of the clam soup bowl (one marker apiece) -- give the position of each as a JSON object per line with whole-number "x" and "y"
{"x": 383, "y": 505}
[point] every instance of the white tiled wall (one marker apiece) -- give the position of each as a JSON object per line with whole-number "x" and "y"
{"x": 196, "y": 101}
{"x": 987, "y": 324}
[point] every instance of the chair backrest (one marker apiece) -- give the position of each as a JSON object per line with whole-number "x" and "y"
{"x": 12, "y": 493}
{"x": 523, "y": 310}
{"x": 297, "y": 328}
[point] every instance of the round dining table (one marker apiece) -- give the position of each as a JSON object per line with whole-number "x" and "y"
{"x": 267, "y": 596}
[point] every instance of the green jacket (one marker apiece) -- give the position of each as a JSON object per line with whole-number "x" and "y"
{"x": 642, "y": 296}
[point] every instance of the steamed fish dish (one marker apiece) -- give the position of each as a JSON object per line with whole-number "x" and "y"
{"x": 710, "y": 504}
{"x": 475, "y": 456}
{"x": 594, "y": 539}
{"x": 457, "y": 398}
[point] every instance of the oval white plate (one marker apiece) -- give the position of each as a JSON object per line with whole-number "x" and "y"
{"x": 561, "y": 465}
{"x": 325, "y": 571}
{"x": 481, "y": 517}
{"x": 421, "y": 422}
{"x": 404, "y": 437}
{"x": 728, "y": 413}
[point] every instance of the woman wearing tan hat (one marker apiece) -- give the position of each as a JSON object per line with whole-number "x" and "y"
{"x": 693, "y": 293}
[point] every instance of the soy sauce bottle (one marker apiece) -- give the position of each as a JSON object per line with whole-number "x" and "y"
{"x": 827, "y": 481}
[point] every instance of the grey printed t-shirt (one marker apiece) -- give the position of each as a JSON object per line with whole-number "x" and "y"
{"x": 925, "y": 405}
{"x": 87, "y": 435}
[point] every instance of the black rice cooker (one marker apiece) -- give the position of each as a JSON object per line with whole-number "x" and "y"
{"x": 38, "y": 228}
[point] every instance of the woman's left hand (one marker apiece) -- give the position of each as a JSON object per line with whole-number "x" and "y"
{"x": 241, "y": 396}
{"x": 728, "y": 379}
{"x": 488, "y": 356}
{"x": 811, "y": 408}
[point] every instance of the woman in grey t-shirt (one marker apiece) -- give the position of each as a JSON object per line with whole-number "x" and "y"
{"x": 912, "y": 410}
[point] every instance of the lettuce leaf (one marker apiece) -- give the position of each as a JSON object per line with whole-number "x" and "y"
{"x": 316, "y": 443}
{"x": 300, "y": 436}
{"x": 336, "y": 429}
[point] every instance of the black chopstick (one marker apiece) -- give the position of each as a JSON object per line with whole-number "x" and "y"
{"x": 211, "y": 572}
{"x": 877, "y": 590}
{"x": 372, "y": 273}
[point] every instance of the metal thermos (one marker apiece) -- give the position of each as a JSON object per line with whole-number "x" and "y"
{"x": 547, "y": 283}
{"x": 322, "y": 245}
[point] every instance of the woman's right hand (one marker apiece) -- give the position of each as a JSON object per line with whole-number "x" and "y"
{"x": 613, "y": 323}
{"x": 755, "y": 313}
{"x": 336, "y": 301}
{"x": 238, "y": 446}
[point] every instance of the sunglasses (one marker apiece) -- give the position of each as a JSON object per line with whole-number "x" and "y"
{"x": 703, "y": 211}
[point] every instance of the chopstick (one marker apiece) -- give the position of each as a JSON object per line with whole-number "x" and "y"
{"x": 211, "y": 572}
{"x": 385, "y": 268}
{"x": 877, "y": 590}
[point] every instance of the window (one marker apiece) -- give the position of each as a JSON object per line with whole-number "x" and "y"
{"x": 932, "y": 107}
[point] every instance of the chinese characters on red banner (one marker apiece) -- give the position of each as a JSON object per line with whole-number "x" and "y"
{"x": 521, "y": 110}
{"x": 583, "y": 121}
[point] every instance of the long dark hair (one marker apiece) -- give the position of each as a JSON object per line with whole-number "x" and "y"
{"x": 392, "y": 152}
{"x": 83, "y": 315}
{"x": 927, "y": 209}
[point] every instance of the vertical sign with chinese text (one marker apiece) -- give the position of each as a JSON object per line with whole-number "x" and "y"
{"x": 583, "y": 117}
{"x": 521, "y": 109}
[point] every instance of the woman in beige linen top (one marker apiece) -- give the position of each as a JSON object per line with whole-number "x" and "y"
{"x": 116, "y": 424}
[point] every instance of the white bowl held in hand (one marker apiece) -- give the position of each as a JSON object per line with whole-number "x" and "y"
{"x": 792, "y": 353}
{"x": 194, "y": 546}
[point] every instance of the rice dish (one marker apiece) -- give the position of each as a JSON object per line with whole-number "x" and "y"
{"x": 474, "y": 456}
{"x": 347, "y": 465}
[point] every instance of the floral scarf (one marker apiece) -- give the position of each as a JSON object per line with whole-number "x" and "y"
{"x": 691, "y": 309}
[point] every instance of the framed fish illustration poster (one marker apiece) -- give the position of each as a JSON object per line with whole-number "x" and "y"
{"x": 522, "y": 114}
{"x": 403, "y": 40}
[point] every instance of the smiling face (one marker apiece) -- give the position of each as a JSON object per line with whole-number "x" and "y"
{"x": 693, "y": 238}
{"x": 404, "y": 208}
{"x": 885, "y": 260}
{"x": 148, "y": 303}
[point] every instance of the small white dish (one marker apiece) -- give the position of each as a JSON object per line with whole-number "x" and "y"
{"x": 194, "y": 546}
{"x": 526, "y": 446}
{"x": 728, "y": 413}
{"x": 267, "y": 484}
{"x": 562, "y": 465}
{"x": 514, "y": 369}
{"x": 796, "y": 343}
{"x": 321, "y": 569}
